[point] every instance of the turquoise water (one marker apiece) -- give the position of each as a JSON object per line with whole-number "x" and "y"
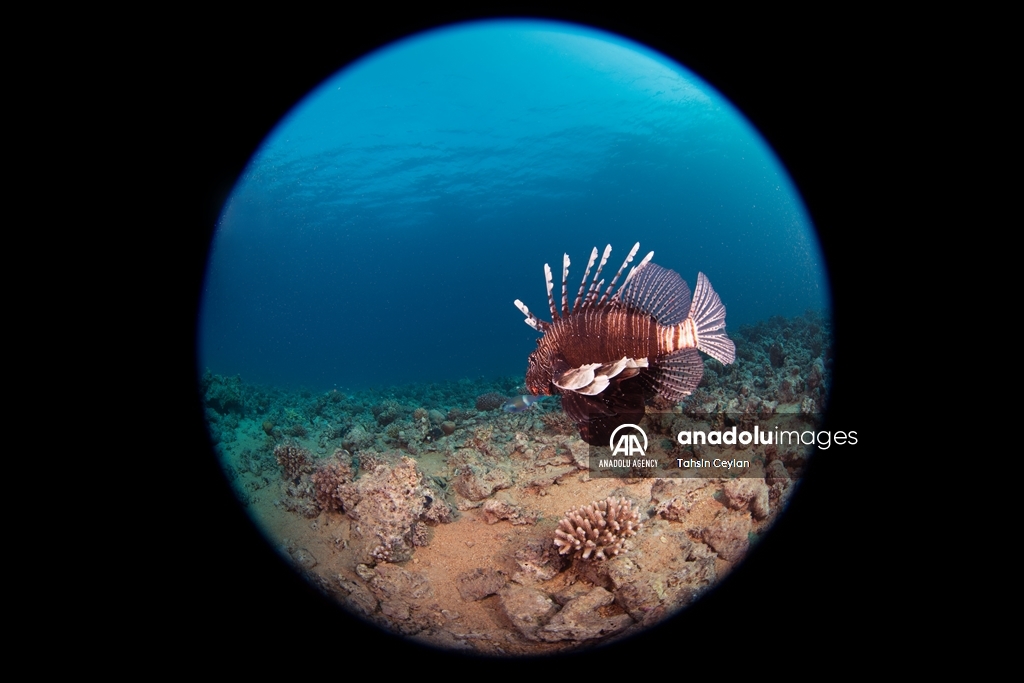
{"x": 382, "y": 231}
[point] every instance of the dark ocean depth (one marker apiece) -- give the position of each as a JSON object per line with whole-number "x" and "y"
{"x": 382, "y": 232}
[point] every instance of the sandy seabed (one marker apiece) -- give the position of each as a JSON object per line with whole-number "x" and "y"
{"x": 437, "y": 521}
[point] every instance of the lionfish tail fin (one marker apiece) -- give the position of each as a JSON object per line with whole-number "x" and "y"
{"x": 708, "y": 315}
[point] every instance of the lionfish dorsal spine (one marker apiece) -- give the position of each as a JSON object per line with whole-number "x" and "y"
{"x": 632, "y": 272}
{"x": 565, "y": 279}
{"x": 531, "y": 319}
{"x": 583, "y": 284}
{"x": 593, "y": 295}
{"x": 551, "y": 297}
{"x": 595, "y": 286}
{"x": 629, "y": 259}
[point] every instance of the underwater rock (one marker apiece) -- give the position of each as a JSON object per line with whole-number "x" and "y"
{"x": 550, "y": 476}
{"x": 537, "y": 561}
{"x": 633, "y": 587}
{"x": 480, "y": 583}
{"x": 393, "y": 498}
{"x": 477, "y": 482}
{"x": 497, "y": 510}
{"x": 303, "y": 558}
{"x": 779, "y": 483}
{"x": 357, "y": 596}
{"x": 527, "y": 608}
{"x": 580, "y": 451}
{"x": 667, "y": 571}
{"x": 223, "y": 394}
{"x": 748, "y": 494}
{"x": 673, "y": 509}
{"x": 357, "y": 439}
{"x": 728, "y": 535}
{"x": 664, "y": 490}
{"x": 582, "y": 619}
{"x": 406, "y": 599}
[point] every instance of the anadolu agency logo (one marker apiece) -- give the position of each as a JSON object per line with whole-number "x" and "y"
{"x": 627, "y": 445}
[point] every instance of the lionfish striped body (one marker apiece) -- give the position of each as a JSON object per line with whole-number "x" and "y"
{"x": 609, "y": 352}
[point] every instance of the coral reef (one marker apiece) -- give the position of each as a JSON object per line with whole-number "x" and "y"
{"x": 598, "y": 529}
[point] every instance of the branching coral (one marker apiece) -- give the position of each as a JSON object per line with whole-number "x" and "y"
{"x": 597, "y": 530}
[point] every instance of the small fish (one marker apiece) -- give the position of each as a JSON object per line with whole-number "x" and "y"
{"x": 520, "y": 404}
{"x": 605, "y": 356}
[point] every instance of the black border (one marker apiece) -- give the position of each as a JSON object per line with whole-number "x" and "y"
{"x": 803, "y": 85}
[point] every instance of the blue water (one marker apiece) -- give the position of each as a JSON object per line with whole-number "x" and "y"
{"x": 380, "y": 234}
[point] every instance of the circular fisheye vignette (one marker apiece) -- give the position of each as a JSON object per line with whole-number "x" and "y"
{"x": 420, "y": 478}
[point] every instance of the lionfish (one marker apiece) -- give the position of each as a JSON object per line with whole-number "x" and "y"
{"x": 607, "y": 355}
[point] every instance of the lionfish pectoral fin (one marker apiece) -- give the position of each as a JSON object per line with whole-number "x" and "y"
{"x": 708, "y": 314}
{"x": 629, "y": 372}
{"x": 576, "y": 379}
{"x": 599, "y": 384}
{"x": 593, "y": 378}
{"x": 675, "y": 376}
